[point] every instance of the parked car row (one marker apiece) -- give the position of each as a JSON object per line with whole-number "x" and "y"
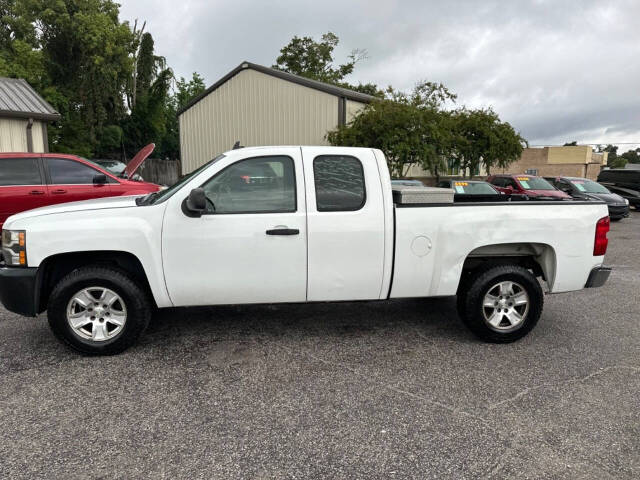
{"x": 585, "y": 189}
{"x": 622, "y": 189}
{"x": 33, "y": 180}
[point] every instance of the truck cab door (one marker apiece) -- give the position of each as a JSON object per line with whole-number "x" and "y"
{"x": 250, "y": 244}
{"x": 346, "y": 224}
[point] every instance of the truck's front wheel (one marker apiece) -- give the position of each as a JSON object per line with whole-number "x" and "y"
{"x": 501, "y": 304}
{"x": 98, "y": 310}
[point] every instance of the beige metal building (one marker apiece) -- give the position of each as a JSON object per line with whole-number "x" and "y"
{"x": 23, "y": 117}
{"x": 257, "y": 105}
{"x": 570, "y": 161}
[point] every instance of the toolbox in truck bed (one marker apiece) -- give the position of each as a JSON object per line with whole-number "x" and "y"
{"x": 405, "y": 195}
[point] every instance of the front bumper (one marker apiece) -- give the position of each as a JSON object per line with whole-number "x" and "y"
{"x": 598, "y": 277}
{"x": 18, "y": 290}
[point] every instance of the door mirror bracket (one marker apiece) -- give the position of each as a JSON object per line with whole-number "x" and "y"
{"x": 99, "y": 179}
{"x": 195, "y": 204}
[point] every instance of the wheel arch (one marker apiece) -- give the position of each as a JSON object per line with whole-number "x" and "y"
{"x": 53, "y": 268}
{"x": 537, "y": 257}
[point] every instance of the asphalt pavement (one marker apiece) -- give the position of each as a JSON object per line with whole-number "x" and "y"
{"x": 396, "y": 389}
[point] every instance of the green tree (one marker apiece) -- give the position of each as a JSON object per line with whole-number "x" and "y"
{"x": 188, "y": 90}
{"x": 409, "y": 128}
{"x": 632, "y": 156}
{"x": 183, "y": 93}
{"x": 480, "y": 139}
{"x": 84, "y": 51}
{"x": 308, "y": 58}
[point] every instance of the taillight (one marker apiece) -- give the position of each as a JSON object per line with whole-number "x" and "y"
{"x": 601, "y": 241}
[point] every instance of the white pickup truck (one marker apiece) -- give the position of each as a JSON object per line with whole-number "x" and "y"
{"x": 293, "y": 224}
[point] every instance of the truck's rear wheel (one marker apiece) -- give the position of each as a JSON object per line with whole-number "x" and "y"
{"x": 501, "y": 304}
{"x": 98, "y": 310}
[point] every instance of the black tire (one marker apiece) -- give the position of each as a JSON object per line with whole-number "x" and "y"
{"x": 137, "y": 304}
{"x": 472, "y": 292}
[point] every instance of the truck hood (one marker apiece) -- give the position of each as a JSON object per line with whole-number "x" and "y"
{"x": 95, "y": 204}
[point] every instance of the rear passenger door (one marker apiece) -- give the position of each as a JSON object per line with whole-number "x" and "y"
{"x": 345, "y": 224}
{"x": 71, "y": 180}
{"x": 21, "y": 185}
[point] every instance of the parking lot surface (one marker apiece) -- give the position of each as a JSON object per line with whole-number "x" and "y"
{"x": 396, "y": 389}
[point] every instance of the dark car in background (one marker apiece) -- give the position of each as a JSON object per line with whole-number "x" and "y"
{"x": 585, "y": 189}
{"x": 624, "y": 182}
{"x": 535, "y": 188}
{"x": 473, "y": 191}
{"x": 407, "y": 182}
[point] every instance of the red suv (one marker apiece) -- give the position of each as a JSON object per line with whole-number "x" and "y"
{"x": 531, "y": 186}
{"x": 32, "y": 180}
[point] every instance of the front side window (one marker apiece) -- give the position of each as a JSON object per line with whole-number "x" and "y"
{"x": 255, "y": 185}
{"x": 69, "y": 172}
{"x": 339, "y": 182}
{"x": 19, "y": 171}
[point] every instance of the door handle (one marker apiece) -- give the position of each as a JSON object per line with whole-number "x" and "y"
{"x": 283, "y": 231}
{"x": 36, "y": 192}
{"x": 59, "y": 191}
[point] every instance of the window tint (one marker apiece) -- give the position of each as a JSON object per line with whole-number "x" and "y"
{"x": 69, "y": 172}
{"x": 19, "y": 171}
{"x": 498, "y": 181}
{"x": 339, "y": 183}
{"x": 255, "y": 185}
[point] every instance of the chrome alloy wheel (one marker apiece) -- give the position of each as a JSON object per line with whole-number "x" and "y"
{"x": 96, "y": 314}
{"x": 505, "y": 306}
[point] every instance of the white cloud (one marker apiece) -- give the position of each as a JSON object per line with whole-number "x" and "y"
{"x": 558, "y": 71}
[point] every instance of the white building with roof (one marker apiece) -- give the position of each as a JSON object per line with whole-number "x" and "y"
{"x": 24, "y": 116}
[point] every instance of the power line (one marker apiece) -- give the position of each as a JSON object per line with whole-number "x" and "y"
{"x": 584, "y": 143}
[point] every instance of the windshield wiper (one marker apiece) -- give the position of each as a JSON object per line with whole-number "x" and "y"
{"x": 147, "y": 199}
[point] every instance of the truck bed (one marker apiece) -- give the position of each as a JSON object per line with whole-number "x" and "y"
{"x": 431, "y": 243}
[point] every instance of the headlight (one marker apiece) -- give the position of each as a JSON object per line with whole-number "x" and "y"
{"x": 14, "y": 248}
{"x": 626, "y": 201}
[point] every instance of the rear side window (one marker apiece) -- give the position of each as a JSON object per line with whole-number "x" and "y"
{"x": 68, "y": 172}
{"x": 19, "y": 171}
{"x": 339, "y": 182}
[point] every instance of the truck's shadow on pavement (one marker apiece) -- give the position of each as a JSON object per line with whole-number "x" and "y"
{"x": 435, "y": 317}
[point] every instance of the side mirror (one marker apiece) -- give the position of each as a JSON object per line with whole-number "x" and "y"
{"x": 99, "y": 179}
{"x": 195, "y": 204}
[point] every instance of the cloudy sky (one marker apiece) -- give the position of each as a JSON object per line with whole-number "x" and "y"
{"x": 557, "y": 70}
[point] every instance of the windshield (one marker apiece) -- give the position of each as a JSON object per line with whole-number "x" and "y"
{"x": 470, "y": 188}
{"x": 589, "y": 186}
{"x": 113, "y": 166}
{"x": 534, "y": 183}
{"x": 158, "y": 197}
